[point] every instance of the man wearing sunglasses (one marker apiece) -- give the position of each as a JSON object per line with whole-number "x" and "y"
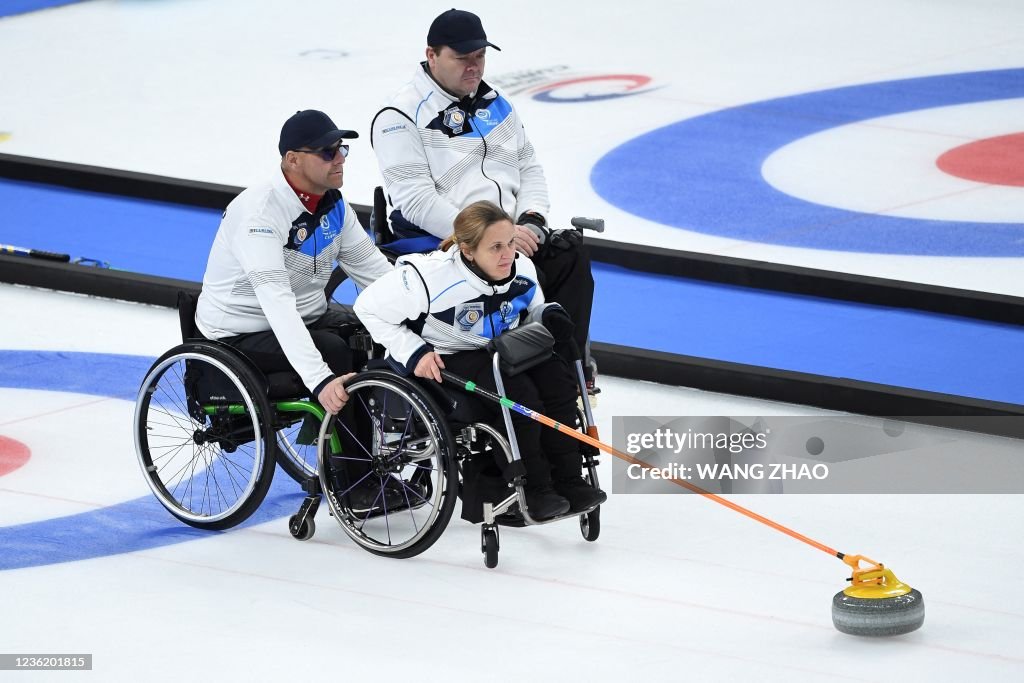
{"x": 273, "y": 254}
{"x": 448, "y": 139}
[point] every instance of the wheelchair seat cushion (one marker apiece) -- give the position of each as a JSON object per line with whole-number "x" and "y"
{"x": 282, "y": 385}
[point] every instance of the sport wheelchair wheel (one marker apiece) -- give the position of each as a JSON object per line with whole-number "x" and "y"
{"x": 202, "y": 436}
{"x": 403, "y": 444}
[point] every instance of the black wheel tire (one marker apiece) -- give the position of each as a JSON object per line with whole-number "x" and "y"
{"x": 368, "y": 381}
{"x": 303, "y": 531}
{"x": 590, "y": 524}
{"x": 163, "y": 392}
{"x": 489, "y": 541}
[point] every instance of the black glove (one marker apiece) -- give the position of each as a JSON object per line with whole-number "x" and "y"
{"x": 561, "y": 327}
{"x": 558, "y": 322}
{"x": 536, "y": 223}
{"x": 565, "y": 239}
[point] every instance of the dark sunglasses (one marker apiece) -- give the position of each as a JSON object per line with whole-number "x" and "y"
{"x": 327, "y": 153}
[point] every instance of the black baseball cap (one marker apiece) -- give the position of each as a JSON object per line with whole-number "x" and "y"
{"x": 460, "y": 30}
{"x": 310, "y": 128}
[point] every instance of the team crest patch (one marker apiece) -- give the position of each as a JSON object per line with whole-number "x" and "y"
{"x": 301, "y": 234}
{"x": 469, "y": 314}
{"x": 454, "y": 120}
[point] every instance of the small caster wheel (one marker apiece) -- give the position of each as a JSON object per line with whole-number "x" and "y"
{"x": 489, "y": 543}
{"x": 590, "y": 524}
{"x": 303, "y": 530}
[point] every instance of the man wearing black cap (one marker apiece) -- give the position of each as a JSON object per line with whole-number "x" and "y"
{"x": 272, "y": 256}
{"x": 448, "y": 139}
{"x": 263, "y": 290}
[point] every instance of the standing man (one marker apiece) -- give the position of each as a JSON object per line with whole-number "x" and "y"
{"x": 275, "y": 249}
{"x": 448, "y": 139}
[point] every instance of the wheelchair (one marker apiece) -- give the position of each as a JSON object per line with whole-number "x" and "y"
{"x": 209, "y": 428}
{"x": 425, "y": 435}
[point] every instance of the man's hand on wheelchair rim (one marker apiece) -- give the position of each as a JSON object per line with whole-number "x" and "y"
{"x": 430, "y": 366}
{"x": 333, "y": 397}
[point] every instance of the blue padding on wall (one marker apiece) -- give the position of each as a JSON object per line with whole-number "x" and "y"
{"x": 897, "y": 347}
{"x": 904, "y": 348}
{"x": 136, "y": 235}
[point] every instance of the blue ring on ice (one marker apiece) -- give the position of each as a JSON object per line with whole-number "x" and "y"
{"x": 704, "y": 174}
{"x": 138, "y": 524}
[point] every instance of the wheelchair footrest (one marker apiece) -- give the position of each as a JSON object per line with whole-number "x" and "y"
{"x": 510, "y": 519}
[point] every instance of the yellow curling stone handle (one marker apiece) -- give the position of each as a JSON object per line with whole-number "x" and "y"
{"x": 874, "y": 581}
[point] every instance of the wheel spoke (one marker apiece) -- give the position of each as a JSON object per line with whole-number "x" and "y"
{"x": 185, "y": 458}
{"x": 405, "y": 451}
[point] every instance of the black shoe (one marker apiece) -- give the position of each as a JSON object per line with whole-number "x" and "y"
{"x": 412, "y": 493}
{"x": 371, "y": 496}
{"x": 544, "y": 503}
{"x": 581, "y": 495}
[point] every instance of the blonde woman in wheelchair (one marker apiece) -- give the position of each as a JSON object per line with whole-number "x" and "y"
{"x": 440, "y": 310}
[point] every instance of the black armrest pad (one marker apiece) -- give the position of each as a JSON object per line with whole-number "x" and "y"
{"x": 524, "y": 347}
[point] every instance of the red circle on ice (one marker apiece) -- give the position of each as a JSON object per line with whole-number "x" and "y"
{"x": 997, "y": 161}
{"x": 13, "y": 454}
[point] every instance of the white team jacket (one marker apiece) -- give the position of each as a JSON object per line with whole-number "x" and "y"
{"x": 462, "y": 311}
{"x": 270, "y": 263}
{"x": 438, "y": 157}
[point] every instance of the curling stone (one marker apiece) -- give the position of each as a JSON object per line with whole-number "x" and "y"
{"x": 876, "y": 603}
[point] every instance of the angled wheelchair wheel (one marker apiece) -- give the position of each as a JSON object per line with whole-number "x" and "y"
{"x": 393, "y": 485}
{"x": 203, "y": 435}
{"x": 590, "y": 524}
{"x": 489, "y": 545}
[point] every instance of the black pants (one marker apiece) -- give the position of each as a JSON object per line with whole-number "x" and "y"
{"x": 566, "y": 278}
{"x": 549, "y": 389}
{"x": 327, "y": 331}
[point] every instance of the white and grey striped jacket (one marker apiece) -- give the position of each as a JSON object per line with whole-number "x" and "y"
{"x": 270, "y": 263}
{"x": 435, "y": 302}
{"x": 439, "y": 154}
